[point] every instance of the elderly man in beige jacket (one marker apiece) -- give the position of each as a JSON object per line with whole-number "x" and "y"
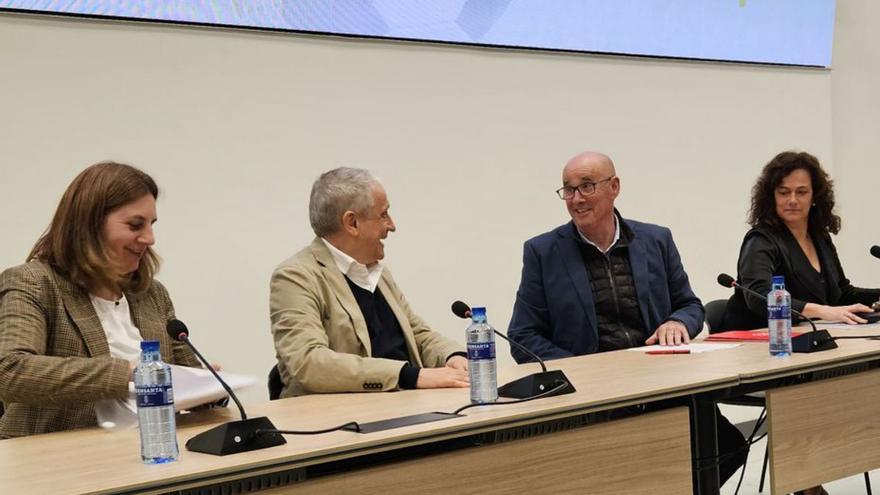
{"x": 339, "y": 321}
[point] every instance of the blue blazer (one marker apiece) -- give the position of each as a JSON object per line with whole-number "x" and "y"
{"x": 554, "y": 314}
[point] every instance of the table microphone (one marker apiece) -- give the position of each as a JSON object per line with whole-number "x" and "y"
{"x": 232, "y": 437}
{"x": 527, "y": 386}
{"x": 813, "y": 341}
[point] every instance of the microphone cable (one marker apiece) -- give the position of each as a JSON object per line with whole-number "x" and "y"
{"x": 546, "y": 393}
{"x": 350, "y": 426}
{"x": 355, "y": 427}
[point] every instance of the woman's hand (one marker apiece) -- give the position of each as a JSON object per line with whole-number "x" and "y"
{"x": 844, "y": 314}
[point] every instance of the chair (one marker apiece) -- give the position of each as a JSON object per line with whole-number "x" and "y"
{"x": 715, "y": 315}
{"x": 275, "y": 383}
{"x": 715, "y": 322}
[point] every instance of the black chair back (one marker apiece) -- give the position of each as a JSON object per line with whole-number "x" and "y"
{"x": 275, "y": 383}
{"x": 715, "y": 315}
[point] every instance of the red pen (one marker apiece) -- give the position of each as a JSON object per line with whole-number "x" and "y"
{"x": 668, "y": 351}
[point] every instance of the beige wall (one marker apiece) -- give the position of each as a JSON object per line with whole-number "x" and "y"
{"x": 855, "y": 100}
{"x": 469, "y": 142}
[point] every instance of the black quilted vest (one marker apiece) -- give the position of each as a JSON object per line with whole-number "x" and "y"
{"x": 620, "y": 323}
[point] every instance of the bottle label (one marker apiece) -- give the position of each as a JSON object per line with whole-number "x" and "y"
{"x": 779, "y": 312}
{"x": 154, "y": 395}
{"x": 480, "y": 351}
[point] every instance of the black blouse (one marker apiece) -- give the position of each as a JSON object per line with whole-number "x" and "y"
{"x": 768, "y": 251}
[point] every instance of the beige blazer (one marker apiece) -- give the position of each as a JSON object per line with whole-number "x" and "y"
{"x": 54, "y": 357}
{"x": 321, "y": 339}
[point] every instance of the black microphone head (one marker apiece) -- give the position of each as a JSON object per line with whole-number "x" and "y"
{"x": 875, "y": 251}
{"x": 177, "y": 330}
{"x": 726, "y": 280}
{"x": 461, "y": 309}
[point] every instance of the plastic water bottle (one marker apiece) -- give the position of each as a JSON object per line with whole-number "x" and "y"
{"x": 155, "y": 403}
{"x": 779, "y": 318}
{"x": 480, "y": 337}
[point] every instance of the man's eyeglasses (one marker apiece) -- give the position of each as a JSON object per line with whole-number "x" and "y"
{"x": 586, "y": 189}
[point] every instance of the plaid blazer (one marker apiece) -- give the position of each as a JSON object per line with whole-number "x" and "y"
{"x": 54, "y": 356}
{"x": 321, "y": 338}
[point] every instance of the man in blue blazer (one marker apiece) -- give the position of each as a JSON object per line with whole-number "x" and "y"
{"x": 601, "y": 282}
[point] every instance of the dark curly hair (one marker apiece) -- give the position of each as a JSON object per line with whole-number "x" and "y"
{"x": 822, "y": 219}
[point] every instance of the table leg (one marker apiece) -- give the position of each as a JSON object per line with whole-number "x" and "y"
{"x": 704, "y": 444}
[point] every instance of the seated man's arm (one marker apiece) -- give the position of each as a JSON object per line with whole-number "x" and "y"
{"x": 445, "y": 361}
{"x": 530, "y": 323}
{"x": 302, "y": 343}
{"x": 686, "y": 319}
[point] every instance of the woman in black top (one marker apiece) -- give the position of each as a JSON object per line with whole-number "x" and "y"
{"x": 792, "y": 218}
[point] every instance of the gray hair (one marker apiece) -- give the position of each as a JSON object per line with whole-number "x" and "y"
{"x": 337, "y": 191}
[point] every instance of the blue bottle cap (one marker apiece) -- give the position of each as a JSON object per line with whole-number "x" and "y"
{"x": 778, "y": 280}
{"x": 478, "y": 314}
{"x": 149, "y": 346}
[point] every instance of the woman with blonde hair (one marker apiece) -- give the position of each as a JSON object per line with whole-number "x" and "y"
{"x": 72, "y": 317}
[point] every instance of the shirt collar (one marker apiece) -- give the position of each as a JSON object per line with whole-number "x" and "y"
{"x": 613, "y": 242}
{"x": 361, "y": 275}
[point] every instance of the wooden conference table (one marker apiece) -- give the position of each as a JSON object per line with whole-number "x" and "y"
{"x": 550, "y": 445}
{"x": 823, "y": 408}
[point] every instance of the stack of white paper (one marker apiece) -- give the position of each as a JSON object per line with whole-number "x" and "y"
{"x": 193, "y": 387}
{"x": 693, "y": 347}
{"x": 196, "y": 386}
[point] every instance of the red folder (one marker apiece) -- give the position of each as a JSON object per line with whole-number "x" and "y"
{"x": 744, "y": 336}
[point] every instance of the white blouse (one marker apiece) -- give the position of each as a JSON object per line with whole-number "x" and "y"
{"x": 124, "y": 340}
{"x": 123, "y": 337}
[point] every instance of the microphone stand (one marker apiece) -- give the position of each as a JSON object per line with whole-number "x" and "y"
{"x": 813, "y": 341}
{"x": 235, "y": 436}
{"x": 546, "y": 382}
{"x": 185, "y": 338}
{"x": 536, "y": 383}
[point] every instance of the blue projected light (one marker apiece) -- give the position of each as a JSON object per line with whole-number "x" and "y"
{"x": 792, "y": 32}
